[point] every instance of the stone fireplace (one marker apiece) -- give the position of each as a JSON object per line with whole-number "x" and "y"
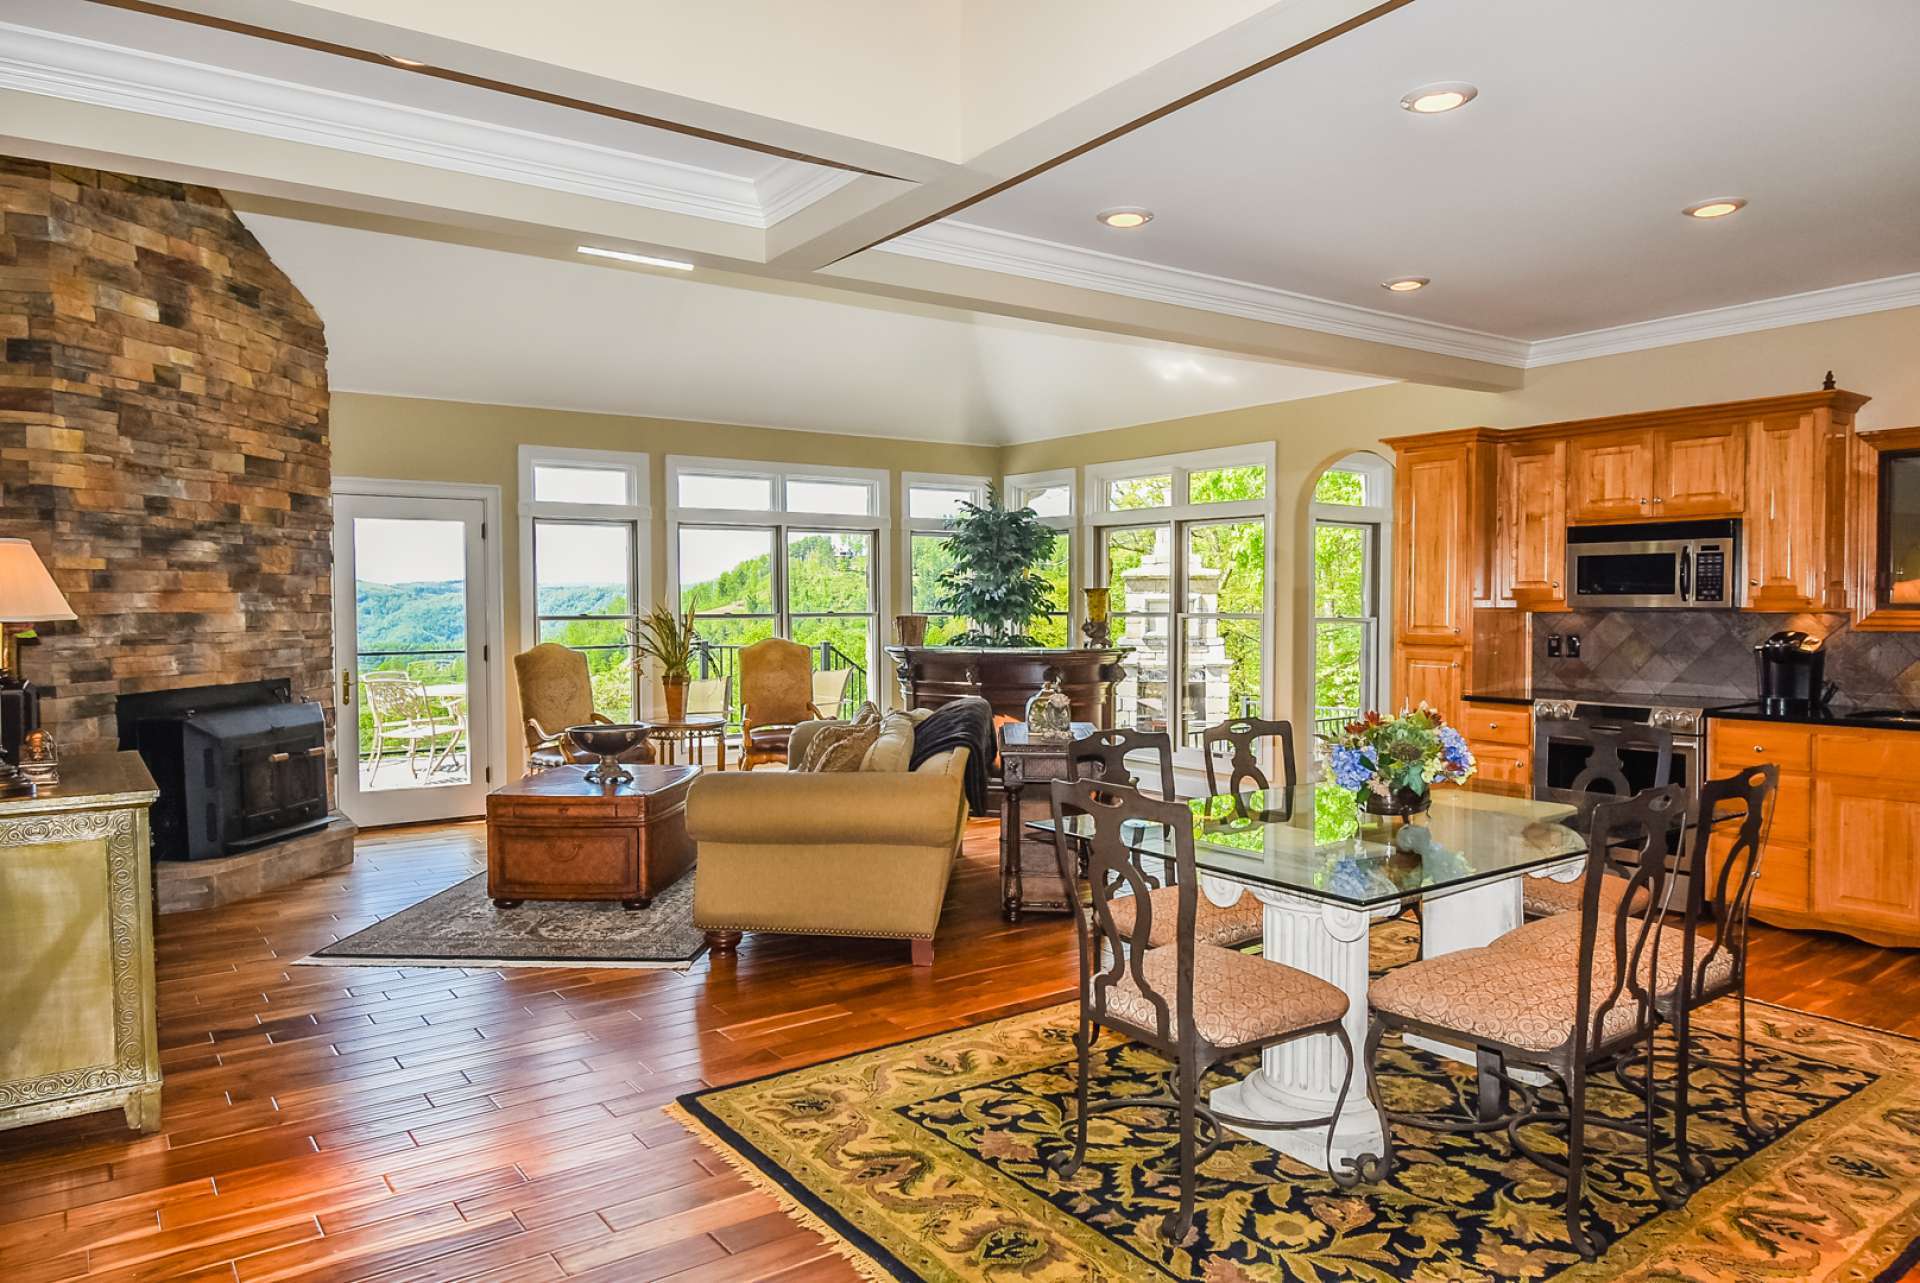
{"x": 164, "y": 444}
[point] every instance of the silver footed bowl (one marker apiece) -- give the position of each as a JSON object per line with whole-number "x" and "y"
{"x": 607, "y": 743}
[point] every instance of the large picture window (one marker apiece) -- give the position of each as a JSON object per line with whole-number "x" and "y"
{"x": 766, "y": 550}
{"x": 583, "y": 531}
{"x": 1182, "y": 546}
{"x": 1350, "y": 514}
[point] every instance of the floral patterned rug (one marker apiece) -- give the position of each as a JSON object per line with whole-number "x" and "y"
{"x": 927, "y": 1161}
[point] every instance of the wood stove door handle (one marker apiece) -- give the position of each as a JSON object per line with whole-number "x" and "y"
{"x": 318, "y": 750}
{"x": 280, "y": 757}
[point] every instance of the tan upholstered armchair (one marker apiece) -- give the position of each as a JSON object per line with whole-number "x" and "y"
{"x": 776, "y": 694}
{"x": 853, "y": 853}
{"x": 556, "y": 692}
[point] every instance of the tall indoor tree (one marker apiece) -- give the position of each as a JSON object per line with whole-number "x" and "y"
{"x": 993, "y": 580}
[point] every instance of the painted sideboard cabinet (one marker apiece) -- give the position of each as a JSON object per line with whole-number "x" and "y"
{"x": 77, "y": 1032}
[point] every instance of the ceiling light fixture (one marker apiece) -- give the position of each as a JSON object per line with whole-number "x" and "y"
{"x": 1718, "y": 207}
{"x": 398, "y": 61}
{"x": 678, "y": 265}
{"x": 1125, "y": 219}
{"x": 1431, "y": 100}
{"x": 1405, "y": 284}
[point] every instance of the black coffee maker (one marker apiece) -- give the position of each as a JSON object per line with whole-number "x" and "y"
{"x": 1791, "y": 668}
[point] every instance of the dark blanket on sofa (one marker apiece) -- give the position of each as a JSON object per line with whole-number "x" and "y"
{"x": 966, "y": 722}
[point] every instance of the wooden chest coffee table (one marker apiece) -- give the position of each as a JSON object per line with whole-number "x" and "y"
{"x": 553, "y": 836}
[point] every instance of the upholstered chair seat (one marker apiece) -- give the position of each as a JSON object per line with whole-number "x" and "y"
{"x": 1239, "y": 923}
{"x": 1544, "y": 897}
{"x": 1561, "y": 935}
{"x": 1238, "y": 998}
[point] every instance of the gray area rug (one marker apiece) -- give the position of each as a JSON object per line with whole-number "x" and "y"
{"x": 460, "y": 927}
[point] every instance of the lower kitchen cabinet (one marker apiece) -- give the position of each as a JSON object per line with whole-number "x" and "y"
{"x": 1501, "y": 737}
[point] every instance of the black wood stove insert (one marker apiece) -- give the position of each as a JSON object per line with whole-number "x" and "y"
{"x": 238, "y": 766}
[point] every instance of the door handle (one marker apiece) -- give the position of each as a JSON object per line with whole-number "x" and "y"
{"x": 1686, "y": 563}
{"x": 346, "y": 686}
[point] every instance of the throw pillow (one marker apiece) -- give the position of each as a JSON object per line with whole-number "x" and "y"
{"x": 840, "y": 748}
{"x": 867, "y": 712}
{"x": 892, "y": 748}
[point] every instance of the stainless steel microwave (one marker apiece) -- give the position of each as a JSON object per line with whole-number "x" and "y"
{"x": 1657, "y": 564}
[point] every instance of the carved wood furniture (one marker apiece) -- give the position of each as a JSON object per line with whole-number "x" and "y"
{"x": 77, "y": 1031}
{"x": 776, "y": 692}
{"x": 1029, "y": 874}
{"x": 556, "y": 691}
{"x": 553, "y": 836}
{"x": 929, "y": 676}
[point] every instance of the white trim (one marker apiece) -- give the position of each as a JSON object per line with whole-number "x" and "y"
{"x": 494, "y": 625}
{"x": 1885, "y": 294}
{"x": 970, "y": 245}
{"x": 58, "y": 65}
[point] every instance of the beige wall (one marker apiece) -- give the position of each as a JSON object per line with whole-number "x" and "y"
{"x": 405, "y": 439}
{"x": 1878, "y": 354}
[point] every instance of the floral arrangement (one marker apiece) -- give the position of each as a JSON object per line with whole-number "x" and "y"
{"x": 1397, "y": 759}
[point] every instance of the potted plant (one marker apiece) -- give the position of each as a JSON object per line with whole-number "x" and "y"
{"x": 668, "y": 640}
{"x": 1392, "y": 763}
{"x": 992, "y": 580}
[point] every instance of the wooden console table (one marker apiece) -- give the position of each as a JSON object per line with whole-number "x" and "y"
{"x": 1029, "y": 869}
{"x": 929, "y": 676}
{"x": 77, "y": 1032}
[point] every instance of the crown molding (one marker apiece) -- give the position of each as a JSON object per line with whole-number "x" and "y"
{"x": 969, "y": 245}
{"x": 74, "y": 69}
{"x": 1882, "y": 295}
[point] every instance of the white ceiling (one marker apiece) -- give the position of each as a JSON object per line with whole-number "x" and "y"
{"x": 1549, "y": 205}
{"x": 429, "y": 319}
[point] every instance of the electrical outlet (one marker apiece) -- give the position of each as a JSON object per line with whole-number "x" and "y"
{"x": 1553, "y": 645}
{"x": 1573, "y": 645}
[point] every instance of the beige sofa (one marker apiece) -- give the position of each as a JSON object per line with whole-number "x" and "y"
{"x": 856, "y": 853}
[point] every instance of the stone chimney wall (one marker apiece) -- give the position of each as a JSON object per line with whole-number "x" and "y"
{"x": 163, "y": 442}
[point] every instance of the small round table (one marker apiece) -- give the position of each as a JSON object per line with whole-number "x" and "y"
{"x": 692, "y": 732}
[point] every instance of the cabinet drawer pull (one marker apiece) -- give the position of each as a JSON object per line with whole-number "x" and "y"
{"x": 1759, "y": 748}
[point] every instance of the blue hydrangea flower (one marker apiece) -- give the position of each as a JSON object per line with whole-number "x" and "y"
{"x": 1352, "y": 767}
{"x": 1453, "y": 748}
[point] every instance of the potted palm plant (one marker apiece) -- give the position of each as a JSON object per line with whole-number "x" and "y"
{"x": 667, "y": 639}
{"x": 992, "y": 580}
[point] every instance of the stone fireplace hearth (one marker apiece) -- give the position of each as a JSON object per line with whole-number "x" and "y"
{"x": 163, "y": 443}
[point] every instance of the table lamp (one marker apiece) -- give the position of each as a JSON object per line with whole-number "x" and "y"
{"x": 28, "y": 595}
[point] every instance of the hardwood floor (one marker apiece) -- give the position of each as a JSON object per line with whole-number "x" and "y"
{"x": 504, "y": 1125}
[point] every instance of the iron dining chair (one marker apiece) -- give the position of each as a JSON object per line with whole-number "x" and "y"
{"x": 1196, "y": 1003}
{"x": 1240, "y": 733}
{"x": 1603, "y": 771}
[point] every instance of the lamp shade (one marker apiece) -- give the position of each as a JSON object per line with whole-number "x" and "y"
{"x": 28, "y": 594}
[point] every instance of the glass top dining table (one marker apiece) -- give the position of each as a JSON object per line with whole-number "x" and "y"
{"x": 1314, "y": 841}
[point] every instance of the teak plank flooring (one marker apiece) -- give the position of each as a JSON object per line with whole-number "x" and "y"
{"x": 436, "y": 1124}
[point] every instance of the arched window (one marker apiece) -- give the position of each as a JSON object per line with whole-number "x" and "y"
{"x": 1351, "y": 510}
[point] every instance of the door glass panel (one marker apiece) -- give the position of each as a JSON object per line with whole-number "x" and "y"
{"x": 854, "y": 498}
{"x": 410, "y": 617}
{"x": 726, "y": 571}
{"x": 829, "y": 571}
{"x": 1900, "y": 530}
{"x": 1627, "y": 574}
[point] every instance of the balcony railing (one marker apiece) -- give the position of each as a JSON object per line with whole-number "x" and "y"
{"x": 1331, "y": 721}
{"x": 712, "y": 660}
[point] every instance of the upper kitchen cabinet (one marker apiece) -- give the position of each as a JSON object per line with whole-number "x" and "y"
{"x": 1610, "y": 476}
{"x": 1783, "y": 527}
{"x": 1886, "y": 522}
{"x": 1700, "y": 470}
{"x": 1532, "y": 523}
{"x": 1433, "y": 489}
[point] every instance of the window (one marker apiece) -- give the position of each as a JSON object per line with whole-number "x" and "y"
{"x": 1050, "y": 495}
{"x": 1050, "y": 499}
{"x": 583, "y": 527}
{"x": 1183, "y": 551}
{"x": 764, "y": 550}
{"x": 1349, "y": 545}
{"x": 930, "y": 502}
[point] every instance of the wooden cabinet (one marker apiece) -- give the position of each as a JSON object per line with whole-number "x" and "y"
{"x": 1435, "y": 674}
{"x": 1501, "y": 737}
{"x": 1782, "y": 895}
{"x": 1700, "y": 470}
{"x": 1610, "y": 476}
{"x": 1433, "y": 488}
{"x": 1532, "y": 523}
{"x": 1783, "y": 531}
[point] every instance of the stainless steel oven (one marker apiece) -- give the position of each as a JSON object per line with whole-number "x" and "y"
{"x": 1558, "y": 761}
{"x": 1694, "y": 564}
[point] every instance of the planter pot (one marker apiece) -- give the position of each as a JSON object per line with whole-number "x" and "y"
{"x": 676, "y": 700}
{"x": 912, "y": 629}
{"x": 1398, "y": 802}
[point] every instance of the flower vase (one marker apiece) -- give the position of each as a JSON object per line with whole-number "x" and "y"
{"x": 1398, "y": 801}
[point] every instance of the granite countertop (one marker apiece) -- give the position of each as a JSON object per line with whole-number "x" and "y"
{"x": 1885, "y": 717}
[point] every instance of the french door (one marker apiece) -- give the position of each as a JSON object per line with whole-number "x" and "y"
{"x": 416, "y": 723}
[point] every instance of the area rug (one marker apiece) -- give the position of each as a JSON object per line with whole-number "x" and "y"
{"x": 927, "y": 1160}
{"x": 460, "y": 927}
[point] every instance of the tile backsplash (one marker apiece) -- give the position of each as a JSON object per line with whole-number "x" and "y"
{"x": 1707, "y": 655}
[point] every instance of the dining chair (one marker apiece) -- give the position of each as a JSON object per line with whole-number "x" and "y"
{"x": 776, "y": 687}
{"x": 1103, "y": 756}
{"x": 1603, "y": 771}
{"x": 1571, "y": 995}
{"x": 1195, "y": 1003}
{"x": 1240, "y": 733}
{"x": 1714, "y": 965}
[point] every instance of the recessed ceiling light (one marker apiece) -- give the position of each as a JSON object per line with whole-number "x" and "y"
{"x": 1718, "y": 207}
{"x": 398, "y": 61}
{"x": 678, "y": 265}
{"x": 1125, "y": 218}
{"x": 1431, "y": 100}
{"x": 1405, "y": 284}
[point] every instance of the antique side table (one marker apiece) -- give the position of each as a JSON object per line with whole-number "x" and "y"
{"x": 1029, "y": 871}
